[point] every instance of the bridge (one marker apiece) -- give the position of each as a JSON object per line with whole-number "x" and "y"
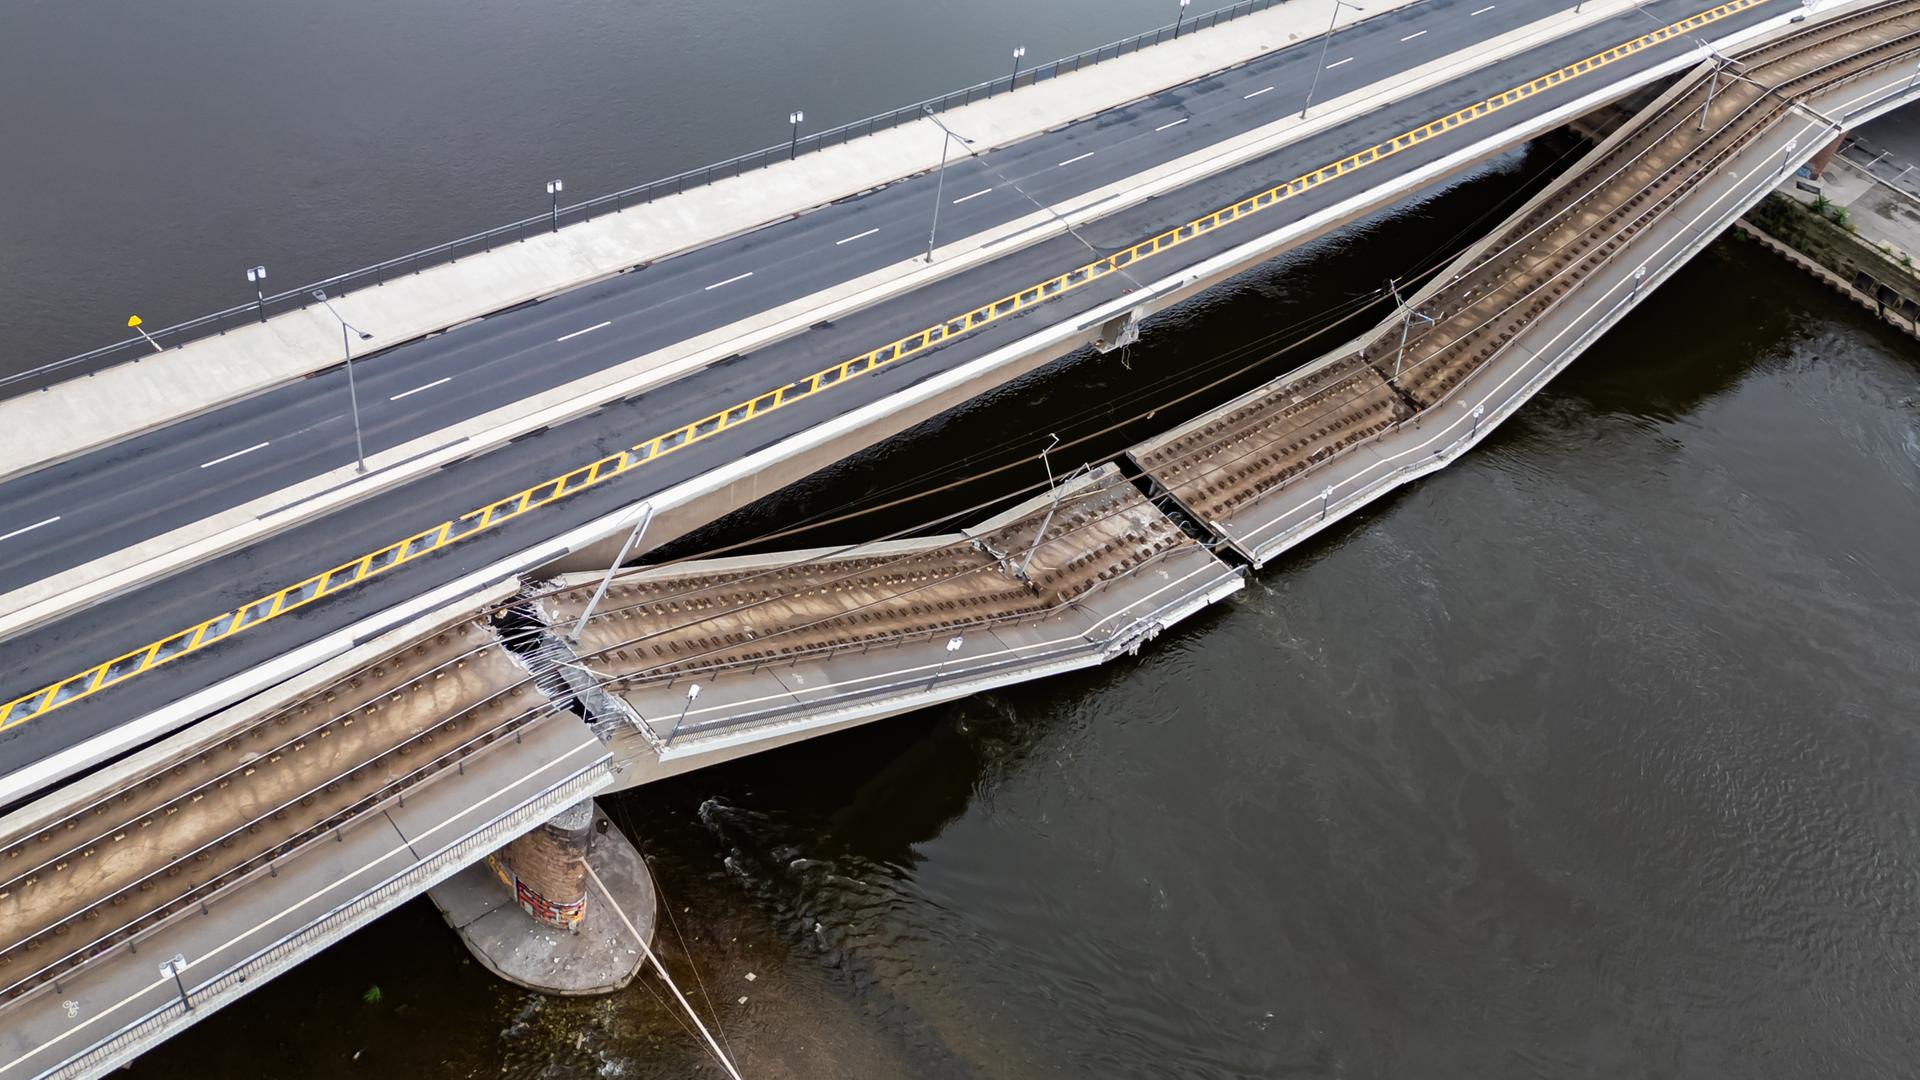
{"x": 351, "y": 733}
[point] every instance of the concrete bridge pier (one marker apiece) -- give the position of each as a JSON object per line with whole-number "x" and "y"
{"x": 533, "y": 914}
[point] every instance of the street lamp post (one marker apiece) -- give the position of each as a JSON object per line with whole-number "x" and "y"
{"x": 173, "y": 968}
{"x": 633, "y": 537}
{"x": 794, "y": 118}
{"x": 1639, "y": 275}
{"x": 1178, "y": 16}
{"x": 947, "y": 135}
{"x": 257, "y": 276}
{"x": 1326, "y": 43}
{"x": 554, "y": 188}
{"x": 692, "y": 693}
{"x": 1478, "y": 412}
{"x": 953, "y": 646}
{"x": 1326, "y": 500}
{"x": 1018, "y": 52}
{"x": 353, "y": 394}
{"x": 1787, "y": 154}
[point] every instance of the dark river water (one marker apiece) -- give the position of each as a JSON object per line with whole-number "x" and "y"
{"x": 1592, "y": 755}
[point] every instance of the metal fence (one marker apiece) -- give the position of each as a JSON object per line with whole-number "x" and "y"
{"x": 220, "y": 322}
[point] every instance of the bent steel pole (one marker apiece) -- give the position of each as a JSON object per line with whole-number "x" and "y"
{"x": 626, "y": 547}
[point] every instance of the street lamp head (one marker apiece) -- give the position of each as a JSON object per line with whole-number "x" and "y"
{"x": 320, "y": 295}
{"x": 555, "y": 187}
{"x": 364, "y": 335}
{"x": 796, "y": 117}
{"x": 257, "y": 273}
{"x": 1019, "y": 51}
{"x": 1184, "y": 3}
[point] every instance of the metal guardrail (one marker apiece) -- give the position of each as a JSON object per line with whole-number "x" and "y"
{"x": 219, "y": 322}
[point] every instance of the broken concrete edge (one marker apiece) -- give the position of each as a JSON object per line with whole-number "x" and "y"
{"x": 188, "y": 741}
{"x": 854, "y": 184}
{"x": 84, "y": 586}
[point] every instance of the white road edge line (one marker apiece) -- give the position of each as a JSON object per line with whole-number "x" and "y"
{"x": 1256, "y": 93}
{"x": 31, "y": 527}
{"x": 729, "y": 281}
{"x": 1413, "y": 35}
{"x": 1071, "y": 160}
{"x": 1337, "y": 63}
{"x": 449, "y": 378}
{"x": 575, "y": 334}
{"x": 975, "y": 195}
{"x": 856, "y": 236}
{"x": 235, "y": 454}
{"x": 1176, "y": 123}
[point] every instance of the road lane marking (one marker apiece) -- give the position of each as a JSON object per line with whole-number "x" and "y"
{"x": 729, "y": 281}
{"x": 1483, "y": 10}
{"x": 117, "y": 671}
{"x": 575, "y": 334}
{"x": 437, "y": 382}
{"x": 975, "y": 195}
{"x": 856, "y": 236}
{"x": 233, "y": 455}
{"x": 1176, "y": 123}
{"x": 1071, "y": 160}
{"x": 31, "y": 527}
{"x": 1413, "y": 35}
{"x": 1256, "y": 93}
{"x": 1337, "y": 63}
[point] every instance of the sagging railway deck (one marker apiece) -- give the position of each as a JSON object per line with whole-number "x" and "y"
{"x": 1067, "y": 578}
{"x": 1264, "y": 470}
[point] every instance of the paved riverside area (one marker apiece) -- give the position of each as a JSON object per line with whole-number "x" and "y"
{"x": 55, "y": 651}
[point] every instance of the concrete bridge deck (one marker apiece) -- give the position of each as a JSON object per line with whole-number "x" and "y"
{"x": 731, "y": 457}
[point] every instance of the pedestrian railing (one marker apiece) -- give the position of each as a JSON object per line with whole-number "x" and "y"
{"x": 266, "y": 306}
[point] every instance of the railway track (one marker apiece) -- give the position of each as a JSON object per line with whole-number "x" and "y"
{"x": 695, "y": 618}
{"x": 101, "y": 875}
{"x": 1412, "y": 364}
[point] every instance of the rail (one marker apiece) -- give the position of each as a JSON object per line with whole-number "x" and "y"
{"x": 219, "y": 322}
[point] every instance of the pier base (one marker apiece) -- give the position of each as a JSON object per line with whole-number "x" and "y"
{"x": 593, "y": 954}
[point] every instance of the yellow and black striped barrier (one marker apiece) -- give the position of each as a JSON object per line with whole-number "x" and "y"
{"x": 223, "y": 626}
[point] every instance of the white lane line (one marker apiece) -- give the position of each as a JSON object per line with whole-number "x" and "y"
{"x": 975, "y": 195}
{"x": 437, "y": 382}
{"x": 856, "y": 236}
{"x": 1337, "y": 63}
{"x": 1256, "y": 93}
{"x": 576, "y": 333}
{"x": 1483, "y": 10}
{"x": 1071, "y": 160}
{"x": 729, "y": 281}
{"x": 31, "y": 527}
{"x": 1176, "y": 123}
{"x": 230, "y": 457}
{"x": 1413, "y": 35}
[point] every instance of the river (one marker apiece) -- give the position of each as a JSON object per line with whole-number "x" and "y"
{"x": 1591, "y": 755}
